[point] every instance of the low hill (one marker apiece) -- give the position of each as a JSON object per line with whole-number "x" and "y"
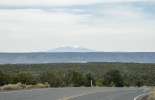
{"x": 80, "y": 57}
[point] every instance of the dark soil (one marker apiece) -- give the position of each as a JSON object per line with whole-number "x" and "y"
{"x": 145, "y": 97}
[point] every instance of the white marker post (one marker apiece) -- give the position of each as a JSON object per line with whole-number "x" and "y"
{"x": 91, "y": 83}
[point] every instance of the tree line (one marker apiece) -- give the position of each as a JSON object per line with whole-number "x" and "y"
{"x": 71, "y": 78}
{"x": 79, "y": 74}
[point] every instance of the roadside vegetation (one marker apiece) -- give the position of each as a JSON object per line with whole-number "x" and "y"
{"x": 25, "y": 76}
{"x": 151, "y": 95}
{"x": 19, "y": 86}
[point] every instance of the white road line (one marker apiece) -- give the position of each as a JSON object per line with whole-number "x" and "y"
{"x": 140, "y": 96}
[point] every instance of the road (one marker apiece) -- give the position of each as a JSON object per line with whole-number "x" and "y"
{"x": 111, "y": 95}
{"x": 82, "y": 93}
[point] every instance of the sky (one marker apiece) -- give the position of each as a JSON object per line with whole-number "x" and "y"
{"x": 102, "y": 25}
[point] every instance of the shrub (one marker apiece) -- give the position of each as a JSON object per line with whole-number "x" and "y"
{"x": 151, "y": 95}
{"x": 11, "y": 87}
{"x": 29, "y": 86}
{"x": 99, "y": 82}
{"x": 3, "y": 78}
{"x": 21, "y": 85}
{"x": 24, "y": 86}
{"x": 112, "y": 84}
{"x": 71, "y": 85}
{"x": 114, "y": 76}
{"x": 40, "y": 85}
{"x": 23, "y": 77}
{"x": 47, "y": 85}
{"x": 52, "y": 77}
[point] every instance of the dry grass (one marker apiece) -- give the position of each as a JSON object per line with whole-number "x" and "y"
{"x": 40, "y": 85}
{"x": 29, "y": 86}
{"x": 11, "y": 87}
{"x": 151, "y": 95}
{"x": 24, "y": 86}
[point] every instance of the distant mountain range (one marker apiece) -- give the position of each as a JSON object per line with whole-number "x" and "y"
{"x": 71, "y": 49}
{"x": 79, "y": 57}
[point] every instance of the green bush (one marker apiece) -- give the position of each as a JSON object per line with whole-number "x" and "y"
{"x": 99, "y": 82}
{"x": 115, "y": 77}
{"x": 3, "y": 78}
{"x": 78, "y": 79}
{"x": 53, "y": 78}
{"x": 112, "y": 84}
{"x": 23, "y": 77}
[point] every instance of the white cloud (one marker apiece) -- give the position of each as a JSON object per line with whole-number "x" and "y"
{"x": 118, "y": 28}
{"x": 32, "y": 19}
{"x": 60, "y": 2}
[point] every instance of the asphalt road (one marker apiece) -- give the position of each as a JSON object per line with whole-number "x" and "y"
{"x": 111, "y": 95}
{"x": 94, "y": 93}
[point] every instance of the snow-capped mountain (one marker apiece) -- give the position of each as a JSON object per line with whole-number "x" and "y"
{"x": 71, "y": 49}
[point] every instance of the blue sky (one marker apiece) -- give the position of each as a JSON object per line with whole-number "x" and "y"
{"x": 103, "y": 25}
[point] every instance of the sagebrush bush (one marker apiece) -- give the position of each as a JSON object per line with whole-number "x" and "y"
{"x": 29, "y": 86}
{"x": 11, "y": 87}
{"x": 21, "y": 85}
{"x": 151, "y": 95}
{"x": 40, "y": 85}
{"x": 24, "y": 86}
{"x": 47, "y": 85}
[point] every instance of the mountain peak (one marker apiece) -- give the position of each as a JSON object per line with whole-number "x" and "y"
{"x": 76, "y": 46}
{"x": 71, "y": 49}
